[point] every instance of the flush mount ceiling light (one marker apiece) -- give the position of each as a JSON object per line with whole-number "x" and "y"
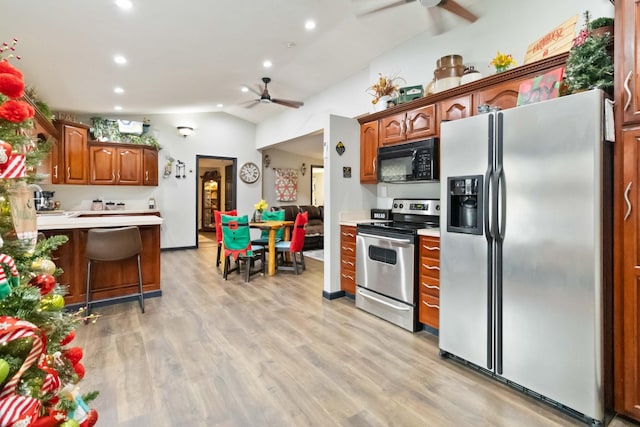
{"x": 124, "y": 4}
{"x": 267, "y": 64}
{"x": 185, "y": 130}
{"x": 118, "y": 108}
{"x": 118, "y": 90}
{"x": 310, "y": 25}
{"x": 120, "y": 60}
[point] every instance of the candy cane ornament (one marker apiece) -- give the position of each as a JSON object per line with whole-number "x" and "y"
{"x": 14, "y": 279}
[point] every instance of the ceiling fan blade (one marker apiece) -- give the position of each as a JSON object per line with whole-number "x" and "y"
{"x": 252, "y": 90}
{"x": 389, "y": 6}
{"x": 251, "y": 104}
{"x": 287, "y": 103}
{"x": 453, "y": 7}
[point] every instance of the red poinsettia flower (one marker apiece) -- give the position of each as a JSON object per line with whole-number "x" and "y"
{"x": 7, "y": 68}
{"x": 11, "y": 86}
{"x": 16, "y": 111}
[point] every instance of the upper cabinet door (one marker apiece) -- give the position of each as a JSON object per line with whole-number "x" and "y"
{"x": 368, "y": 152}
{"x": 627, "y": 84}
{"x": 102, "y": 161}
{"x": 129, "y": 166}
{"x": 421, "y": 122}
{"x": 150, "y": 166}
{"x": 75, "y": 154}
{"x": 504, "y": 95}
{"x": 392, "y": 129}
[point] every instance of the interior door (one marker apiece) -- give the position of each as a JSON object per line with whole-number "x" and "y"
{"x": 229, "y": 190}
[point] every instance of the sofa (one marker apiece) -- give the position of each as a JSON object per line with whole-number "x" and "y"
{"x": 314, "y": 234}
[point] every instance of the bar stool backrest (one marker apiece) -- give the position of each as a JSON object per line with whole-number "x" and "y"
{"x": 113, "y": 244}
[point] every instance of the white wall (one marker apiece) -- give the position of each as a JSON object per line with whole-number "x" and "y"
{"x": 285, "y": 160}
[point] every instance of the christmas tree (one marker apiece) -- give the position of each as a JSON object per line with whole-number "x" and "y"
{"x": 39, "y": 367}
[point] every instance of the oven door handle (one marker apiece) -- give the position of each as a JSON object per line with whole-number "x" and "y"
{"x": 391, "y": 239}
{"x": 383, "y": 302}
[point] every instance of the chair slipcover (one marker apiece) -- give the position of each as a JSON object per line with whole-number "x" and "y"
{"x": 264, "y": 234}
{"x": 295, "y": 245}
{"x": 236, "y": 235}
{"x": 216, "y": 215}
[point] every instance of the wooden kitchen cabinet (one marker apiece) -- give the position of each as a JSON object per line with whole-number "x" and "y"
{"x": 369, "y": 153}
{"x": 429, "y": 282}
{"x": 627, "y": 73}
{"x": 408, "y": 126}
{"x": 111, "y": 165}
{"x": 73, "y": 169}
{"x": 150, "y": 166}
{"x": 348, "y": 259}
{"x": 503, "y": 95}
{"x": 454, "y": 109}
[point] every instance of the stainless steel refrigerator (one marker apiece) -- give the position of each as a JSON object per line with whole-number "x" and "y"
{"x": 521, "y": 264}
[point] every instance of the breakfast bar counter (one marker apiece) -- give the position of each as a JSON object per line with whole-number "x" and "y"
{"x": 110, "y": 279}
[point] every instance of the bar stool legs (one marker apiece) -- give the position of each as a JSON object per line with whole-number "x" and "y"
{"x": 113, "y": 244}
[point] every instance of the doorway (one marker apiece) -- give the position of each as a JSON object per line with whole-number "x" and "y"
{"x": 215, "y": 190}
{"x": 317, "y": 185}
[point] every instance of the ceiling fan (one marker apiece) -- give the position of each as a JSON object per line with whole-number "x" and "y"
{"x": 265, "y": 98}
{"x": 449, "y": 5}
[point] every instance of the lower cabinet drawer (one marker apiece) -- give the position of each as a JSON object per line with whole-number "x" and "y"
{"x": 429, "y": 311}
{"x": 430, "y": 285}
{"x": 348, "y": 280}
{"x": 430, "y": 267}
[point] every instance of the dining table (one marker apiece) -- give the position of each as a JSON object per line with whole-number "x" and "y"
{"x": 273, "y": 227}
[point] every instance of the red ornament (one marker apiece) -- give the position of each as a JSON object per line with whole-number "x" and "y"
{"x": 74, "y": 354}
{"x": 79, "y": 368}
{"x": 16, "y": 111}
{"x": 6, "y": 67}
{"x": 91, "y": 420}
{"x": 66, "y": 340}
{"x": 45, "y": 282}
{"x": 11, "y": 86}
{"x": 54, "y": 419}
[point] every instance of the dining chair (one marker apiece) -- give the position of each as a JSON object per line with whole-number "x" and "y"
{"x": 293, "y": 246}
{"x": 264, "y": 234}
{"x": 216, "y": 218}
{"x": 236, "y": 237}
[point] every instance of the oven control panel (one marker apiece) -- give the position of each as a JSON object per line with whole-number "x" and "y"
{"x": 416, "y": 206}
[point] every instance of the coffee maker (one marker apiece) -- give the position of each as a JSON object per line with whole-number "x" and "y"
{"x": 43, "y": 200}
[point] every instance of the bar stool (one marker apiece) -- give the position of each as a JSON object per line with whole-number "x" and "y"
{"x": 113, "y": 244}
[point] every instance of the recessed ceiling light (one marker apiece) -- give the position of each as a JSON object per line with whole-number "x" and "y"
{"x": 124, "y": 4}
{"x": 244, "y": 89}
{"x": 119, "y": 59}
{"x": 310, "y": 25}
{"x": 267, "y": 64}
{"x": 117, "y": 108}
{"x": 220, "y": 105}
{"x": 291, "y": 45}
{"x": 118, "y": 90}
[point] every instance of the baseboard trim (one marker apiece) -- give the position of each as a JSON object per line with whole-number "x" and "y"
{"x": 177, "y": 248}
{"x": 333, "y": 295}
{"x": 147, "y": 295}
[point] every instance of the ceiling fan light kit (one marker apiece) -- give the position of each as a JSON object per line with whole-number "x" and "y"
{"x": 450, "y": 6}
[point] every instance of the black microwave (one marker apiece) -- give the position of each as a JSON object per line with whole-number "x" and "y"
{"x": 413, "y": 161}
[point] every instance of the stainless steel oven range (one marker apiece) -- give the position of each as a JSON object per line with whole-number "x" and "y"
{"x": 387, "y": 260}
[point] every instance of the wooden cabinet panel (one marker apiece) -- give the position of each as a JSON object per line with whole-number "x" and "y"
{"x": 627, "y": 80}
{"x": 348, "y": 259}
{"x": 129, "y": 170}
{"x": 150, "y": 166}
{"x": 392, "y": 129}
{"x": 421, "y": 122}
{"x": 413, "y": 124}
{"x": 631, "y": 272}
{"x": 454, "y": 109}
{"x": 429, "y": 311}
{"x": 57, "y": 176}
{"x": 111, "y": 165}
{"x": 504, "y": 95}
{"x": 75, "y": 154}
{"x": 429, "y": 281}
{"x": 368, "y": 153}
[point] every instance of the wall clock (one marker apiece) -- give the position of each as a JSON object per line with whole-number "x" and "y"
{"x": 249, "y": 172}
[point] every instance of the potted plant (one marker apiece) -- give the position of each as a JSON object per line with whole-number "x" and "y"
{"x": 602, "y": 25}
{"x": 589, "y": 64}
{"x": 384, "y": 90}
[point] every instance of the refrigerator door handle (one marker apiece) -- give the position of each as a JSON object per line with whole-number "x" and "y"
{"x": 502, "y": 198}
{"x": 488, "y": 179}
{"x": 627, "y": 201}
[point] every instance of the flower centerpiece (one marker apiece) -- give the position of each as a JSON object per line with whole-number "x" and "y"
{"x": 503, "y": 62}
{"x": 259, "y": 207}
{"x": 589, "y": 64}
{"x": 384, "y": 90}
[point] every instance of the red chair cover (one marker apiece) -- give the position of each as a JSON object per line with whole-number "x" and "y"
{"x": 218, "y": 220}
{"x": 297, "y": 237}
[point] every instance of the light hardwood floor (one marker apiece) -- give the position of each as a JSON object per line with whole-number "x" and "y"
{"x": 273, "y": 352}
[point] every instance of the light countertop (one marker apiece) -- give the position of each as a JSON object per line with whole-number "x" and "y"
{"x": 64, "y": 222}
{"x": 433, "y": 232}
